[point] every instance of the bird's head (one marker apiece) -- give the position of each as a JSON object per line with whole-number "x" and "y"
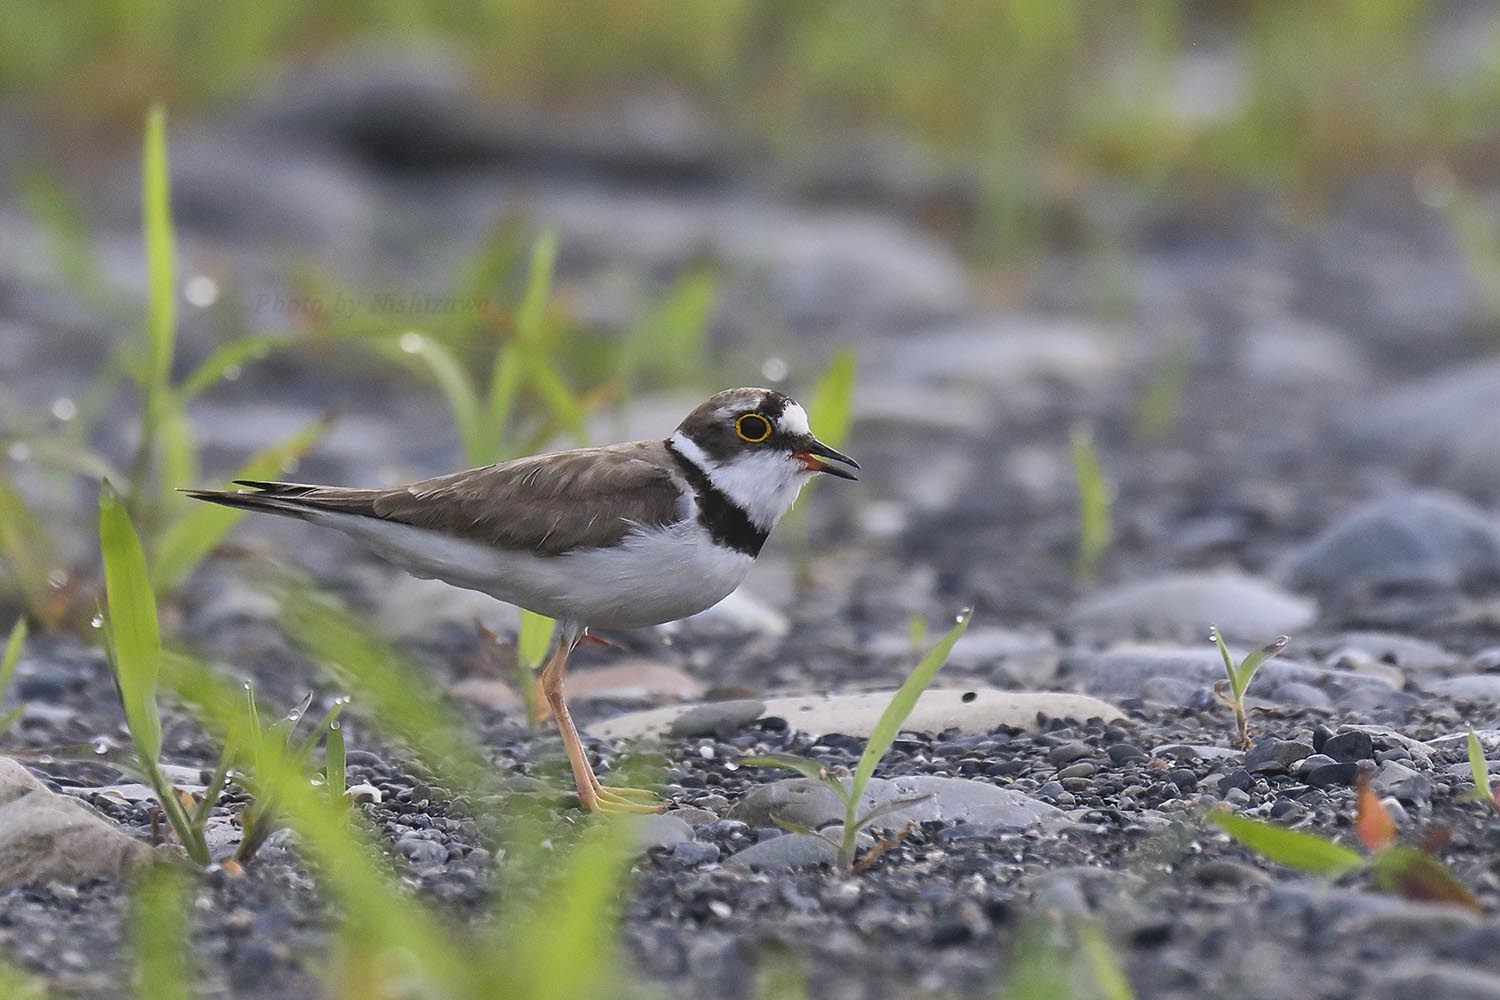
{"x": 756, "y": 446}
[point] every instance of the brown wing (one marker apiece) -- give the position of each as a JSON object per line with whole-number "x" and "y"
{"x": 546, "y": 503}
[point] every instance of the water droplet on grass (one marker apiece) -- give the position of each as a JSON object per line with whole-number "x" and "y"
{"x": 97, "y": 621}
{"x": 412, "y": 342}
{"x": 64, "y": 408}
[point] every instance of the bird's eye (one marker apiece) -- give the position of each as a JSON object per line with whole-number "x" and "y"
{"x": 752, "y": 427}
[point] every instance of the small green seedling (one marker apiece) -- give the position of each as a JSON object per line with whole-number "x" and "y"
{"x": 1095, "y": 497}
{"x": 262, "y": 816}
{"x": 8, "y": 662}
{"x": 1483, "y": 791}
{"x": 1239, "y": 678}
{"x": 850, "y": 789}
{"x": 1409, "y": 872}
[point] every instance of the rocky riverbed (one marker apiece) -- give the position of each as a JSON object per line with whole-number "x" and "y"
{"x": 1325, "y": 469}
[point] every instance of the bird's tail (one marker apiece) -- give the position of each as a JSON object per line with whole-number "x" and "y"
{"x": 290, "y": 499}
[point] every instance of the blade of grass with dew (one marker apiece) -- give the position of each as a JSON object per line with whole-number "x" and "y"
{"x": 335, "y": 766}
{"x": 1253, "y": 661}
{"x": 159, "y": 933}
{"x": 134, "y": 637}
{"x": 229, "y": 357}
{"x": 27, "y": 549}
{"x": 1293, "y": 848}
{"x": 8, "y": 661}
{"x": 342, "y": 852}
{"x": 397, "y": 693}
{"x": 903, "y": 701}
{"x": 190, "y": 538}
{"x": 1094, "y": 529}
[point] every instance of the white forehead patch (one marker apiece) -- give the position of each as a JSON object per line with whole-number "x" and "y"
{"x": 794, "y": 419}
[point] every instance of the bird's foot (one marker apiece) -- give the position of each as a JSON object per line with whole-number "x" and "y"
{"x": 608, "y": 799}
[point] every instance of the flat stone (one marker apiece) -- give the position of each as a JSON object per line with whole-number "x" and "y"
{"x": 1475, "y": 687}
{"x": 659, "y": 830}
{"x": 633, "y": 679}
{"x": 716, "y": 717}
{"x": 1192, "y": 751}
{"x": 968, "y": 710}
{"x": 1398, "y": 650}
{"x": 1401, "y": 782}
{"x": 793, "y": 850}
{"x": 489, "y": 692}
{"x": 49, "y": 838}
{"x": 1426, "y": 539}
{"x": 1330, "y": 775}
{"x": 1184, "y": 605}
{"x": 951, "y": 800}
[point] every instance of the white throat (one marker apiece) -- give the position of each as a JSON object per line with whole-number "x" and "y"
{"x": 762, "y": 484}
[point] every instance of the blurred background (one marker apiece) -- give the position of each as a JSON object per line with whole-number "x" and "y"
{"x": 1015, "y": 215}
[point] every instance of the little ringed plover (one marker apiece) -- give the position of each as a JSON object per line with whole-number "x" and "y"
{"x": 622, "y": 536}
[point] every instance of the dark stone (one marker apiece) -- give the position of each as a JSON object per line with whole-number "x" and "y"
{"x": 1122, "y": 753}
{"x": 1332, "y": 775}
{"x": 1069, "y": 752}
{"x": 1272, "y": 755}
{"x": 1349, "y": 747}
{"x": 1321, "y": 735}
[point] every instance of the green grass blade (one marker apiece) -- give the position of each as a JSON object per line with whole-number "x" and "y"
{"x": 26, "y": 548}
{"x": 134, "y": 637}
{"x": 805, "y": 766}
{"x": 505, "y": 387}
{"x": 156, "y": 220}
{"x": 1217, "y": 638}
{"x": 902, "y": 702}
{"x": 830, "y": 410}
{"x": 1305, "y": 851}
{"x": 1253, "y": 661}
{"x": 12, "y": 654}
{"x": 1414, "y": 874}
{"x": 463, "y": 403}
{"x": 1094, "y": 500}
{"x": 229, "y": 357}
{"x": 667, "y": 342}
{"x": 189, "y": 539}
{"x": 1101, "y": 961}
{"x": 1482, "y": 791}
{"x": 563, "y": 948}
{"x": 176, "y": 451}
{"x": 17, "y": 985}
{"x": 565, "y": 407}
{"x": 533, "y": 638}
{"x": 158, "y": 928}
{"x": 335, "y": 769}
{"x": 532, "y": 312}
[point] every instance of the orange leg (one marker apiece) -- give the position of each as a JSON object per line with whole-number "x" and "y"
{"x": 593, "y": 796}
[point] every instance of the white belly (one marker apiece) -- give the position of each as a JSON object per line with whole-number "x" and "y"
{"x": 653, "y": 576}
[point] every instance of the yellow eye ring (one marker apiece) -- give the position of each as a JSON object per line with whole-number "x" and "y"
{"x": 752, "y": 427}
